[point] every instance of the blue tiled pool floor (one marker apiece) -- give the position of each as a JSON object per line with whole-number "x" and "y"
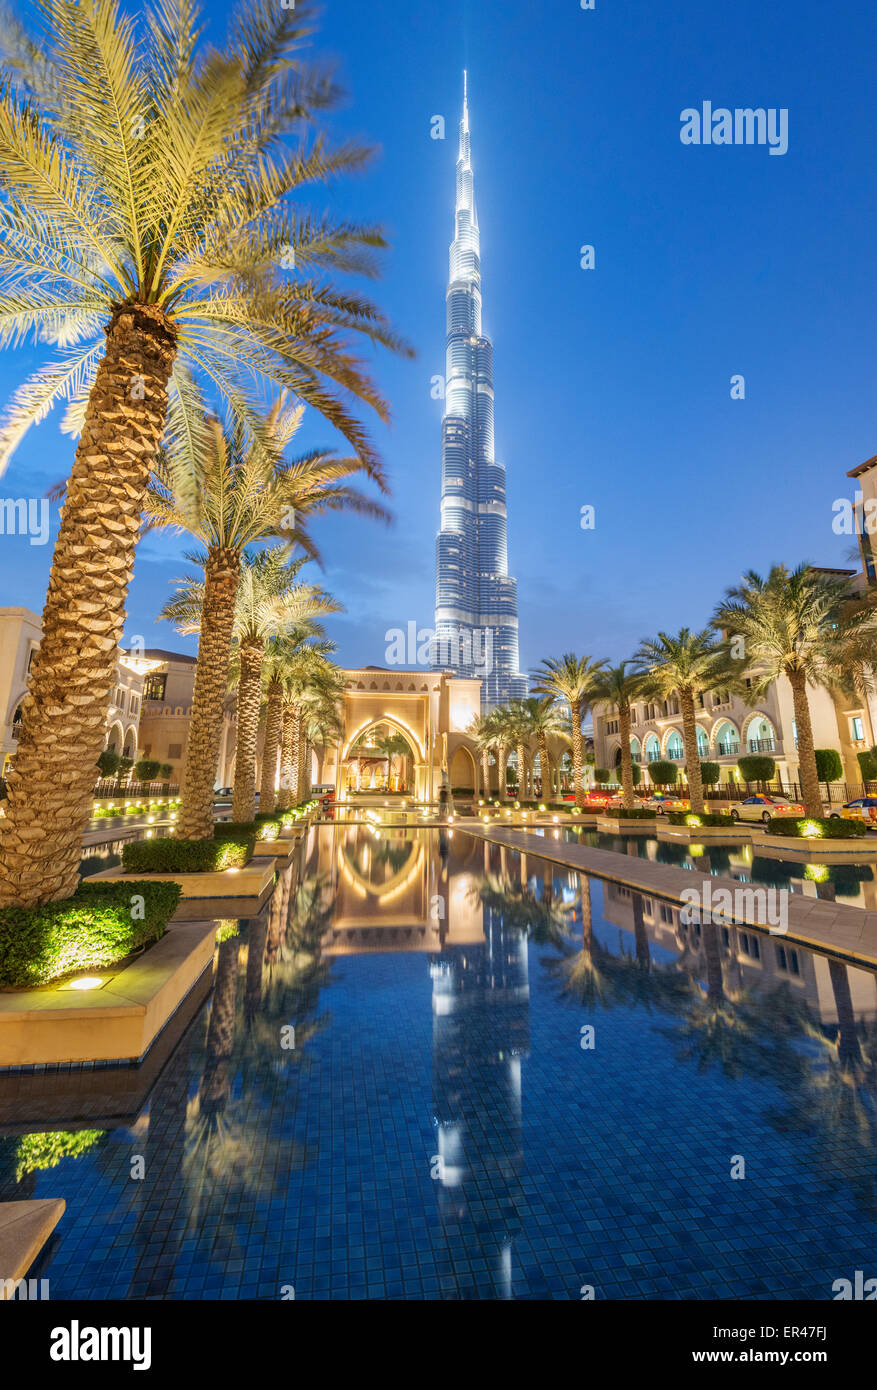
{"x": 439, "y": 1131}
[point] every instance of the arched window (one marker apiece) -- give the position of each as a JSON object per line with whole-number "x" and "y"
{"x": 636, "y": 750}
{"x": 727, "y": 742}
{"x": 759, "y": 736}
{"x": 675, "y": 747}
{"x": 653, "y": 748}
{"x": 703, "y": 744}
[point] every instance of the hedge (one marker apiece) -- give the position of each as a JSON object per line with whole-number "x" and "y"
{"x": 831, "y": 828}
{"x": 169, "y": 856}
{"x": 702, "y": 818}
{"x": 635, "y": 813}
{"x": 93, "y": 929}
{"x": 242, "y": 830}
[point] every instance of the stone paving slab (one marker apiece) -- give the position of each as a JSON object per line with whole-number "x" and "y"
{"x": 812, "y": 922}
{"x": 24, "y": 1229}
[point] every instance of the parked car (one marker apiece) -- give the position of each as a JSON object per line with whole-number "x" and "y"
{"x": 861, "y": 808}
{"x": 661, "y": 803}
{"x": 763, "y": 807}
{"x": 616, "y": 802}
{"x": 223, "y": 793}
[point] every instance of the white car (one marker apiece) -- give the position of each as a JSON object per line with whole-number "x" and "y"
{"x": 763, "y": 807}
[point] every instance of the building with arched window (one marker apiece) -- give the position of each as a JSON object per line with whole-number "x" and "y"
{"x": 20, "y": 636}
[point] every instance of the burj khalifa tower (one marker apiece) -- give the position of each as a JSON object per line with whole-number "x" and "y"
{"x": 476, "y": 600}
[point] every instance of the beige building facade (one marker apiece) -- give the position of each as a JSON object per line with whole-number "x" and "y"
{"x": 20, "y": 636}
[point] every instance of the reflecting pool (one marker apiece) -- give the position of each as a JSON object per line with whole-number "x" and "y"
{"x": 436, "y": 1068}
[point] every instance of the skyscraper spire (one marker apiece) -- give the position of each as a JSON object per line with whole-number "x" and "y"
{"x": 476, "y": 606}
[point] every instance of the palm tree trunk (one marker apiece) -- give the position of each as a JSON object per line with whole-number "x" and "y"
{"x": 243, "y": 804}
{"x": 287, "y": 795}
{"x": 544, "y": 768}
{"x": 305, "y": 779}
{"x": 714, "y": 983}
{"x": 692, "y": 756}
{"x": 271, "y": 746}
{"x": 849, "y": 1051}
{"x": 485, "y": 774}
{"x": 578, "y": 767}
{"x": 519, "y": 754}
{"x": 640, "y": 935}
{"x": 300, "y": 763}
{"x": 51, "y": 778}
{"x": 503, "y": 771}
{"x": 626, "y": 759}
{"x": 807, "y": 770}
{"x": 221, "y": 576}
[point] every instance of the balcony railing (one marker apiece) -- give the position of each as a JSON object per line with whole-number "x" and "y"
{"x": 728, "y": 750}
{"x": 762, "y": 745}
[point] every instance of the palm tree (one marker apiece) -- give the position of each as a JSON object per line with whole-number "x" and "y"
{"x": 147, "y": 232}
{"x": 618, "y": 687}
{"x": 247, "y": 493}
{"x": 310, "y": 676}
{"x": 572, "y": 680}
{"x": 513, "y": 720}
{"x": 543, "y": 719}
{"x": 687, "y": 665}
{"x": 808, "y": 627}
{"x": 268, "y": 603}
{"x": 498, "y": 742}
{"x": 481, "y": 731}
{"x": 281, "y": 655}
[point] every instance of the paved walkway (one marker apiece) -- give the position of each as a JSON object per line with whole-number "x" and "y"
{"x": 812, "y": 922}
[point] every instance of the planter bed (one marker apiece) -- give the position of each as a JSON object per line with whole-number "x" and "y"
{"x": 816, "y": 850}
{"x": 696, "y": 834}
{"x": 627, "y": 824}
{"x": 117, "y": 1022}
{"x": 249, "y": 882}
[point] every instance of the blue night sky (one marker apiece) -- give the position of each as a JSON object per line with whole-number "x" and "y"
{"x": 612, "y": 384}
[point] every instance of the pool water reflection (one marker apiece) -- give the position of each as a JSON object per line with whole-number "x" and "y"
{"x": 394, "y": 1092}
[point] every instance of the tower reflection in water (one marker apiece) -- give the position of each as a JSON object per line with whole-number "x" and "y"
{"x": 455, "y": 899}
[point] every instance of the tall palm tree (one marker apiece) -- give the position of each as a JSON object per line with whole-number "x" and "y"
{"x": 571, "y": 679}
{"x": 543, "y": 719}
{"x": 619, "y": 686}
{"x": 499, "y": 743}
{"x": 514, "y": 726}
{"x": 147, "y": 232}
{"x": 321, "y": 725}
{"x": 280, "y": 658}
{"x": 482, "y": 733}
{"x": 309, "y": 677}
{"x": 248, "y": 493}
{"x": 269, "y": 602}
{"x": 808, "y": 627}
{"x": 687, "y": 665}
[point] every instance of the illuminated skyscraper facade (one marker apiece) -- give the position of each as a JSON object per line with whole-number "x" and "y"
{"x": 476, "y": 600}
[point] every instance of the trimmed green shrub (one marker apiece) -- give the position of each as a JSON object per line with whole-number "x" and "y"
{"x": 868, "y": 765}
{"x": 265, "y": 822}
{"x": 146, "y": 769}
{"x": 169, "y": 856}
{"x": 93, "y": 929}
{"x": 832, "y": 828}
{"x": 166, "y": 771}
{"x": 663, "y": 774}
{"x": 108, "y": 762}
{"x": 755, "y": 767}
{"x": 602, "y": 774}
{"x": 703, "y": 818}
{"x": 829, "y": 767}
{"x": 235, "y": 829}
{"x": 710, "y": 773}
{"x": 636, "y": 813}
{"x": 637, "y": 773}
